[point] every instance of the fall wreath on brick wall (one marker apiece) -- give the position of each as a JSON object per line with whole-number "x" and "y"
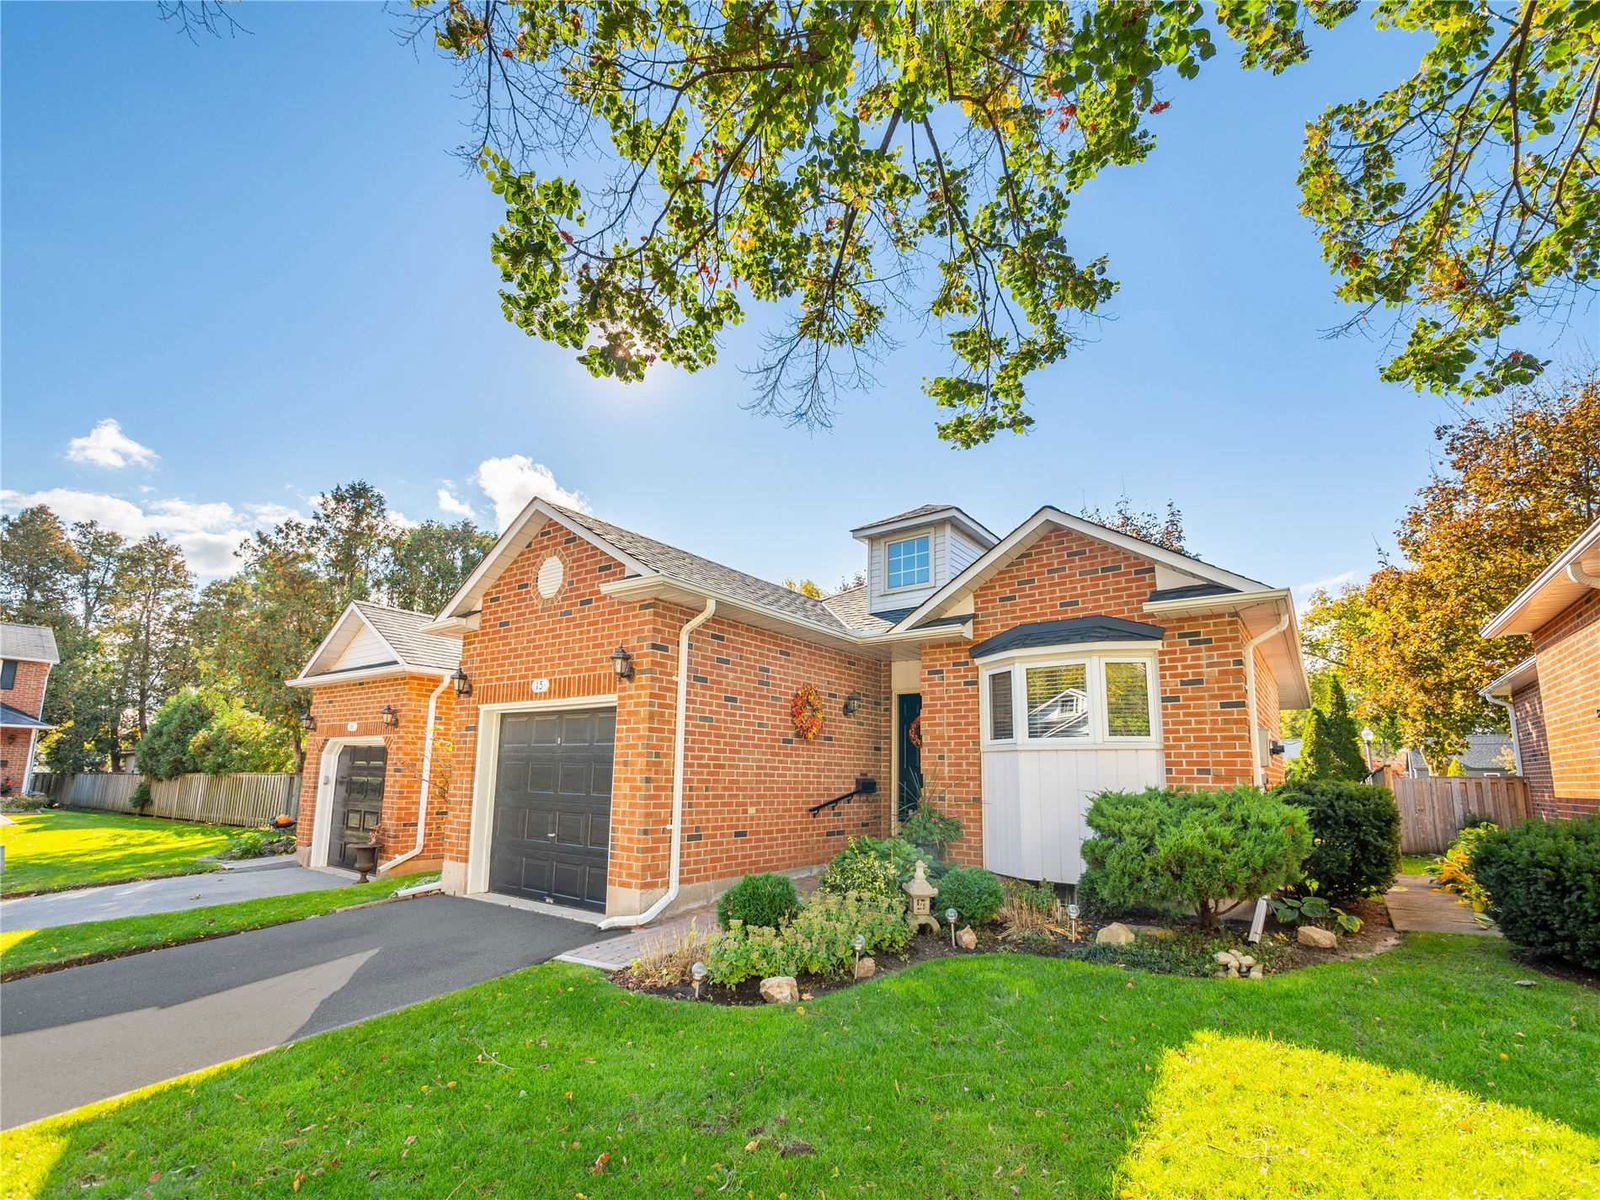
{"x": 806, "y": 712}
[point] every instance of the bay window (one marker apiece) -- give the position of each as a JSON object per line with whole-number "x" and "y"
{"x": 1065, "y": 701}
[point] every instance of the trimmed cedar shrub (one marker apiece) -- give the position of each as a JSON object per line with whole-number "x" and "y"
{"x": 1543, "y": 880}
{"x": 1355, "y": 836}
{"x": 1161, "y": 848}
{"x": 767, "y": 900}
{"x": 973, "y": 892}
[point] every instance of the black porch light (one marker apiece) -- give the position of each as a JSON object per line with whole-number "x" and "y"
{"x": 390, "y": 715}
{"x": 852, "y": 704}
{"x": 308, "y": 722}
{"x": 622, "y": 663}
{"x": 462, "y": 683}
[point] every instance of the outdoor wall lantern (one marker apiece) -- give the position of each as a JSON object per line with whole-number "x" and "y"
{"x": 622, "y": 663}
{"x": 462, "y": 683}
{"x": 308, "y": 722}
{"x": 852, "y": 704}
{"x": 391, "y": 718}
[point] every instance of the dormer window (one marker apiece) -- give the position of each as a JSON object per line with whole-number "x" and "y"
{"x": 909, "y": 562}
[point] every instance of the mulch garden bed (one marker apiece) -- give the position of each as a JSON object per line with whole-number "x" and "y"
{"x": 1186, "y": 951}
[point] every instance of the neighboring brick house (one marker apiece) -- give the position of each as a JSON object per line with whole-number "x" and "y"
{"x": 623, "y": 733}
{"x": 1554, "y": 695}
{"x": 27, "y": 652}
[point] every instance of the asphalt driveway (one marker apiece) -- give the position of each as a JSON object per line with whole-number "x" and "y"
{"x": 92, "y": 1032}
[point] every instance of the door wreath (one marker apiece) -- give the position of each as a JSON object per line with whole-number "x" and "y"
{"x": 914, "y": 732}
{"x": 806, "y": 711}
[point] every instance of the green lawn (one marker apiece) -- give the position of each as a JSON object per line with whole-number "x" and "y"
{"x": 1422, "y": 1072}
{"x": 55, "y": 850}
{"x": 21, "y": 949}
{"x": 1415, "y": 864}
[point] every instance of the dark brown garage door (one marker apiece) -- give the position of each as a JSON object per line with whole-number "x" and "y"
{"x": 552, "y": 806}
{"x": 358, "y": 801}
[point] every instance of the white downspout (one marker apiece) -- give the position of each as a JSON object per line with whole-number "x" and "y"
{"x": 1511, "y": 718}
{"x": 679, "y": 736}
{"x": 1250, "y": 694}
{"x": 427, "y": 782}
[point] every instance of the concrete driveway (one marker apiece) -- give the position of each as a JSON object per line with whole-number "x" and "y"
{"x": 92, "y": 1032}
{"x": 250, "y": 881}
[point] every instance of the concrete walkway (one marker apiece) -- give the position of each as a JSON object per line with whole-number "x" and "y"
{"x": 1416, "y": 906}
{"x": 252, "y": 881}
{"x": 93, "y": 1032}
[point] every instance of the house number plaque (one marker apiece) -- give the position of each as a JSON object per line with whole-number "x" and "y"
{"x": 541, "y": 685}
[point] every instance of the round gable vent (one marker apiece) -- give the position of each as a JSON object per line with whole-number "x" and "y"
{"x": 551, "y": 573}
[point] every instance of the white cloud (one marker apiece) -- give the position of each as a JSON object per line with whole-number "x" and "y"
{"x": 1332, "y": 585}
{"x": 398, "y": 520}
{"x": 207, "y": 533}
{"x": 454, "y": 505}
{"x": 107, "y": 446}
{"x": 512, "y": 481}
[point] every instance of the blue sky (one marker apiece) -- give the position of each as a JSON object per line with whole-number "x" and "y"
{"x": 257, "y": 257}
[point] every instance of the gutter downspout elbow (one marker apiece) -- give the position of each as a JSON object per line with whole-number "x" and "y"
{"x": 1577, "y": 574}
{"x": 1511, "y": 719}
{"x": 1256, "y": 765}
{"x": 679, "y": 737}
{"x": 427, "y": 782}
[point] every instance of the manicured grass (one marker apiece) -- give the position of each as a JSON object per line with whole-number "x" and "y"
{"x": 23, "y": 949}
{"x": 55, "y": 850}
{"x": 1422, "y": 1072}
{"x": 1415, "y": 864}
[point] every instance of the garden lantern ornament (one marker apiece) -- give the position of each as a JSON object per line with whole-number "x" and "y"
{"x": 922, "y": 893}
{"x": 698, "y": 971}
{"x": 950, "y": 915}
{"x": 1072, "y": 921}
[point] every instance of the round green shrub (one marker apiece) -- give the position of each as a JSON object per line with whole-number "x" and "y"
{"x": 767, "y": 900}
{"x": 973, "y": 892}
{"x": 1355, "y": 836}
{"x": 1165, "y": 847}
{"x": 1543, "y": 879}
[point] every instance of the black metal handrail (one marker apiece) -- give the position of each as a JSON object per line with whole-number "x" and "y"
{"x": 864, "y": 787}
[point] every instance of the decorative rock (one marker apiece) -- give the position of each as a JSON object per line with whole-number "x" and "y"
{"x": 1246, "y": 961}
{"x": 967, "y": 939}
{"x": 780, "y": 989}
{"x": 1115, "y": 934}
{"x": 1317, "y": 939}
{"x": 866, "y": 968}
{"x": 1225, "y": 958}
{"x": 1258, "y": 972}
{"x": 1525, "y": 983}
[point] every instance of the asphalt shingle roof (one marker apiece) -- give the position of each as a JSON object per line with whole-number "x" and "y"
{"x": 1193, "y": 592}
{"x": 1065, "y": 633}
{"x": 922, "y": 510}
{"x": 16, "y": 717}
{"x": 34, "y": 643}
{"x": 691, "y": 568}
{"x": 402, "y": 629}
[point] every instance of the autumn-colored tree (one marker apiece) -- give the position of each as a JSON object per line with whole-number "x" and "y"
{"x": 843, "y": 162}
{"x": 806, "y": 587}
{"x": 1517, "y": 486}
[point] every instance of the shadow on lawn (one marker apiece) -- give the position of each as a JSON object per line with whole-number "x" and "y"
{"x": 999, "y": 1075}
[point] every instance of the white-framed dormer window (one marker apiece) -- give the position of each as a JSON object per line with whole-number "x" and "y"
{"x": 908, "y": 562}
{"x": 1057, "y": 700}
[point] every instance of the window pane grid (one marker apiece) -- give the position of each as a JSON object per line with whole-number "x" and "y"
{"x": 909, "y": 562}
{"x": 1058, "y": 701}
{"x": 1127, "y": 699}
{"x": 1001, "y": 727}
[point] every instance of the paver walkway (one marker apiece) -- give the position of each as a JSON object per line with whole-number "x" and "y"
{"x": 1415, "y": 905}
{"x": 277, "y": 877}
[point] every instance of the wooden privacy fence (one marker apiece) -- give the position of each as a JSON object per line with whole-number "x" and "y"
{"x": 242, "y": 799}
{"x": 1433, "y": 811}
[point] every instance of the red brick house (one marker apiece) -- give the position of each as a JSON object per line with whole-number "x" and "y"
{"x": 27, "y": 652}
{"x": 625, "y": 726}
{"x": 1554, "y": 695}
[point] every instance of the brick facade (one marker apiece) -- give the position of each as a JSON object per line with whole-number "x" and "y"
{"x": 1527, "y": 708}
{"x": 749, "y": 779}
{"x": 1568, "y": 653}
{"x": 354, "y": 711}
{"x": 26, "y": 694}
{"x": 1206, "y": 729}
